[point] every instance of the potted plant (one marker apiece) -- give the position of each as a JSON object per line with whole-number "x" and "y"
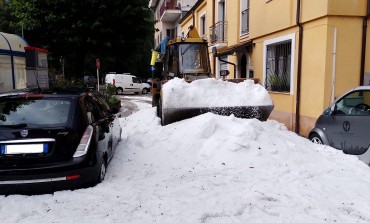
{"x": 113, "y": 102}
{"x": 278, "y": 82}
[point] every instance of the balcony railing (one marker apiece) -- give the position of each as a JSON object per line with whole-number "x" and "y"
{"x": 169, "y": 10}
{"x": 218, "y": 32}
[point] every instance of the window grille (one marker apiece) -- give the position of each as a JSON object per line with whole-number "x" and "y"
{"x": 278, "y": 64}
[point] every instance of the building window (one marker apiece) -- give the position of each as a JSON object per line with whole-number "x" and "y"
{"x": 244, "y": 18}
{"x": 278, "y": 65}
{"x": 170, "y": 33}
{"x": 202, "y": 25}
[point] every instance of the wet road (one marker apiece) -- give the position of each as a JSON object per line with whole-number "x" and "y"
{"x": 132, "y": 103}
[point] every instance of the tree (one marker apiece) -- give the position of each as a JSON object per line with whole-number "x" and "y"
{"x": 5, "y": 17}
{"x": 118, "y": 32}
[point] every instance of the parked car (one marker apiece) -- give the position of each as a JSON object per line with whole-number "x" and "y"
{"x": 55, "y": 139}
{"x": 127, "y": 83}
{"x": 345, "y": 124}
{"x": 149, "y": 81}
{"x": 90, "y": 81}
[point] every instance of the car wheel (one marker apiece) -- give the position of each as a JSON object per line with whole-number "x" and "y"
{"x": 102, "y": 172}
{"x": 145, "y": 91}
{"x": 119, "y": 90}
{"x": 315, "y": 138}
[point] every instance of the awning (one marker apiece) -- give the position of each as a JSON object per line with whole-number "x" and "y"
{"x": 234, "y": 48}
{"x": 12, "y": 45}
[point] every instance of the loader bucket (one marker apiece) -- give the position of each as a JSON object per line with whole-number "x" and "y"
{"x": 181, "y": 100}
{"x": 170, "y": 115}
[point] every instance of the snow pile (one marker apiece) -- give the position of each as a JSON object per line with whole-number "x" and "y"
{"x": 211, "y": 92}
{"x": 223, "y": 169}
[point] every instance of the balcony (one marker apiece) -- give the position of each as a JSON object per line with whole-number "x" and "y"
{"x": 170, "y": 10}
{"x": 218, "y": 32}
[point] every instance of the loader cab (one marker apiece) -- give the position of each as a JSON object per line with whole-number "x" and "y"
{"x": 187, "y": 60}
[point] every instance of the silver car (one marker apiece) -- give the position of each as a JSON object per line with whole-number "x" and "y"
{"x": 345, "y": 124}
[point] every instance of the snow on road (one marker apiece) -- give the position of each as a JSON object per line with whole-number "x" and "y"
{"x": 210, "y": 169}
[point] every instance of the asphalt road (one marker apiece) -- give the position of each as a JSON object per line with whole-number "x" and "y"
{"x": 132, "y": 103}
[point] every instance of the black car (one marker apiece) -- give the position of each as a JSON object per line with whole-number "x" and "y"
{"x": 55, "y": 139}
{"x": 345, "y": 124}
{"x": 90, "y": 81}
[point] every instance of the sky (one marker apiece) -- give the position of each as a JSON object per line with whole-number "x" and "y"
{"x": 209, "y": 169}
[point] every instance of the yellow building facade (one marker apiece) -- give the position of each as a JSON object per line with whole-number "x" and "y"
{"x": 305, "y": 52}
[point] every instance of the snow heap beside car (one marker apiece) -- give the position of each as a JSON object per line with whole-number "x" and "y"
{"x": 211, "y": 92}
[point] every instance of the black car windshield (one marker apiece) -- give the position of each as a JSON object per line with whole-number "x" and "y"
{"x": 40, "y": 111}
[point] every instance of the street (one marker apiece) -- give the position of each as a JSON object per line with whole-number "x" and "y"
{"x": 132, "y": 103}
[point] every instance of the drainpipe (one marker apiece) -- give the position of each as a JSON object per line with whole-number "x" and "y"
{"x": 213, "y": 22}
{"x": 334, "y": 65}
{"x": 363, "y": 46}
{"x": 299, "y": 66}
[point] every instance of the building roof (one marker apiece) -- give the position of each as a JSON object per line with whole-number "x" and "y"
{"x": 11, "y": 44}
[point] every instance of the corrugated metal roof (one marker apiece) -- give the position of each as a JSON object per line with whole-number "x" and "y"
{"x": 234, "y": 48}
{"x": 12, "y": 44}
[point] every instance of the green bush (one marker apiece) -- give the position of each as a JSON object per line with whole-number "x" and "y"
{"x": 111, "y": 89}
{"x": 113, "y": 99}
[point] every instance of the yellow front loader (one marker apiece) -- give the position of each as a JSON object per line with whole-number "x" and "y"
{"x": 188, "y": 58}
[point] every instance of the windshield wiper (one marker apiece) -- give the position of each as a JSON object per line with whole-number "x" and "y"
{"x": 20, "y": 125}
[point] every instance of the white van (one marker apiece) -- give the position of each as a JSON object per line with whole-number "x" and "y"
{"x": 126, "y": 83}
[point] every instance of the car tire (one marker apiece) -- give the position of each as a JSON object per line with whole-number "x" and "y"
{"x": 102, "y": 172}
{"x": 119, "y": 91}
{"x": 315, "y": 138}
{"x": 145, "y": 91}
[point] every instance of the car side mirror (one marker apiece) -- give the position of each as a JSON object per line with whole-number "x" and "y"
{"x": 327, "y": 111}
{"x": 104, "y": 125}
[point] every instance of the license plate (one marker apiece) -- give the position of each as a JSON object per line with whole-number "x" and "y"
{"x": 24, "y": 149}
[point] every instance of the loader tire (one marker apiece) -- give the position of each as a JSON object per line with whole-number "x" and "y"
{"x": 155, "y": 101}
{"x": 159, "y": 110}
